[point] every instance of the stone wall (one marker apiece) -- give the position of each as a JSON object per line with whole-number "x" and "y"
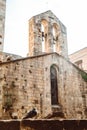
{"x": 25, "y": 84}
{"x": 71, "y": 87}
{"x": 9, "y": 125}
{"x": 54, "y": 125}
{"x": 2, "y": 22}
{"x": 44, "y": 125}
{"x": 23, "y": 81}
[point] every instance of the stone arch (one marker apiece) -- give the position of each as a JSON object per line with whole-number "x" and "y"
{"x": 44, "y": 29}
{"x": 54, "y": 84}
{"x": 56, "y": 32}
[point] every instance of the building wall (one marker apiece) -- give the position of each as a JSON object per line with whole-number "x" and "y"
{"x": 2, "y": 22}
{"x": 43, "y": 124}
{"x": 79, "y": 58}
{"x": 47, "y": 34}
{"x": 27, "y": 83}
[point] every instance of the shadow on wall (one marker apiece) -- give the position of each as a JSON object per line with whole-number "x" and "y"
{"x": 43, "y": 125}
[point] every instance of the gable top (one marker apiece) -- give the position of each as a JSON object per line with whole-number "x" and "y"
{"x": 43, "y": 13}
{"x": 49, "y": 14}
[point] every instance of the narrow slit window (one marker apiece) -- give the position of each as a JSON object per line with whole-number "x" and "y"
{"x": 43, "y": 39}
{"x": 54, "y": 86}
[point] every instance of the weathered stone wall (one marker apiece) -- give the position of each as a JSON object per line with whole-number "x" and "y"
{"x": 25, "y": 84}
{"x": 71, "y": 87}
{"x": 43, "y": 125}
{"x": 37, "y": 36}
{"x": 23, "y": 80}
{"x": 2, "y": 22}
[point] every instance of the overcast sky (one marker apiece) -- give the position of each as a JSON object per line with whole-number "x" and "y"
{"x": 72, "y": 13}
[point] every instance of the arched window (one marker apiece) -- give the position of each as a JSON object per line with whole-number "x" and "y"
{"x": 44, "y": 34}
{"x": 55, "y": 37}
{"x": 54, "y": 40}
{"x": 54, "y": 85}
{"x": 43, "y": 39}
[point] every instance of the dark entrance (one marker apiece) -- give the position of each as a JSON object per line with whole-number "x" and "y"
{"x": 54, "y": 86}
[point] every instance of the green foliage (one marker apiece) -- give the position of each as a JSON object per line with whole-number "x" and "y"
{"x": 7, "y": 105}
{"x": 84, "y": 76}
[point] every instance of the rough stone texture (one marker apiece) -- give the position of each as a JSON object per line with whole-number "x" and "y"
{"x": 58, "y": 39}
{"x": 2, "y": 22}
{"x": 27, "y": 83}
{"x": 79, "y": 58}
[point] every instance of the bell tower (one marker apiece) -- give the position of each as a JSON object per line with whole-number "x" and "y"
{"x": 47, "y": 34}
{"x": 2, "y": 22}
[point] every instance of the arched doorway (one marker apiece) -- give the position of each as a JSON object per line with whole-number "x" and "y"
{"x": 54, "y": 85}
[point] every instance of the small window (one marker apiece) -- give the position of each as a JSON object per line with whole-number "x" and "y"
{"x": 79, "y": 64}
{"x": 0, "y": 36}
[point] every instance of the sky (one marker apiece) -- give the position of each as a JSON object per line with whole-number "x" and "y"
{"x": 72, "y": 13}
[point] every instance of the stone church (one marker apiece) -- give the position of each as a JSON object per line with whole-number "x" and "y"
{"x": 45, "y": 80}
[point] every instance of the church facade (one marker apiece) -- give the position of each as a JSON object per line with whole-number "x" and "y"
{"x": 45, "y": 80}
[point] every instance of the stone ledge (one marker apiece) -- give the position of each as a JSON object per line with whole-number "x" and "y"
{"x": 43, "y": 124}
